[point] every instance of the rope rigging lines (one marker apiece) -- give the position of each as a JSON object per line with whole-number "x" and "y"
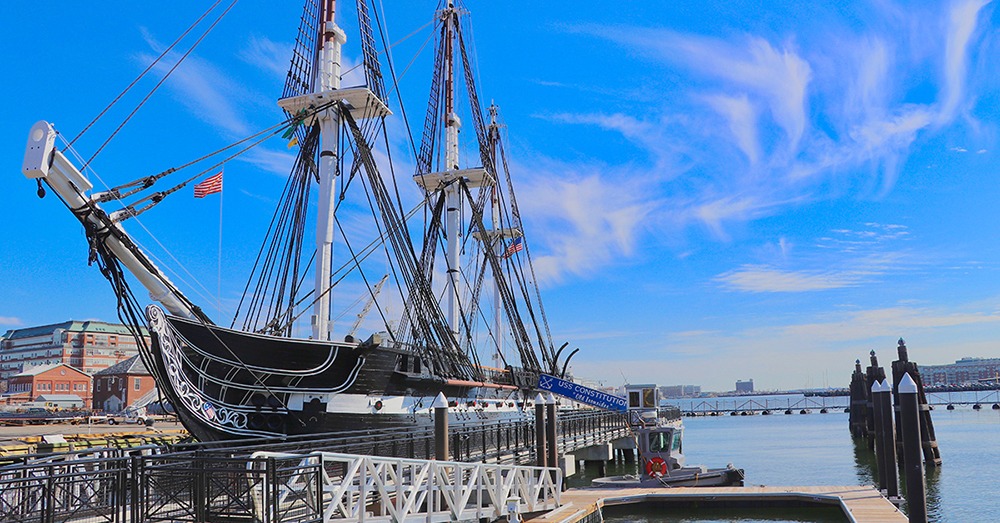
{"x": 275, "y": 295}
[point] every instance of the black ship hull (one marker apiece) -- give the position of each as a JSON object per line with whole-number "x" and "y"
{"x": 226, "y": 384}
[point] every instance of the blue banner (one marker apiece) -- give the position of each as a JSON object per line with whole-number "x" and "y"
{"x": 577, "y": 392}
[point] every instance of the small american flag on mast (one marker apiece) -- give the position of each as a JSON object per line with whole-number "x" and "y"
{"x": 212, "y": 184}
{"x": 514, "y": 246}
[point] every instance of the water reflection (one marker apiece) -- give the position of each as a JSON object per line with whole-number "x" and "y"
{"x": 867, "y": 472}
{"x": 864, "y": 463}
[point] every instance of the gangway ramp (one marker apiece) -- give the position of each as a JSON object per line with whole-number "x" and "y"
{"x": 353, "y": 488}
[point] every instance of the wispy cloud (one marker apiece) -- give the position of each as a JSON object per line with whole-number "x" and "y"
{"x": 962, "y": 21}
{"x": 586, "y": 220}
{"x": 268, "y": 55}
{"x": 775, "y": 122}
{"x": 742, "y": 117}
{"x": 752, "y": 278}
{"x": 11, "y": 321}
{"x": 848, "y": 258}
{"x": 203, "y": 89}
{"x": 834, "y": 339}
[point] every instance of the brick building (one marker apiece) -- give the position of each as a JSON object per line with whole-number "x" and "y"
{"x": 120, "y": 385}
{"x": 58, "y": 379}
{"x": 963, "y": 372}
{"x": 86, "y": 345}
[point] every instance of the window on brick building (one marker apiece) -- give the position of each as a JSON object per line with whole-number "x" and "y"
{"x": 137, "y": 383}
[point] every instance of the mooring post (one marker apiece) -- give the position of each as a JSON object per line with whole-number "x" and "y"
{"x": 932, "y": 454}
{"x": 876, "y": 436}
{"x": 913, "y": 463}
{"x": 873, "y": 374}
{"x": 539, "y": 430}
{"x": 440, "y": 407}
{"x": 858, "y": 402}
{"x": 888, "y": 441}
{"x": 550, "y": 404}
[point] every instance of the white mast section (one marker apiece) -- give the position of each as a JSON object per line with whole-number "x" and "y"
{"x": 328, "y": 79}
{"x": 43, "y": 160}
{"x": 497, "y": 239}
{"x": 448, "y": 179}
{"x": 453, "y": 199}
{"x": 361, "y": 103}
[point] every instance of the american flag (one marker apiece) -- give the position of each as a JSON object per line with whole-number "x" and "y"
{"x": 212, "y": 184}
{"x": 514, "y": 246}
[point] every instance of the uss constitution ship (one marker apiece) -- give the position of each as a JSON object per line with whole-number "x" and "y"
{"x": 459, "y": 265}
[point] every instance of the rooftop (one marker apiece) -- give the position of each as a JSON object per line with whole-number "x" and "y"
{"x": 133, "y": 365}
{"x": 38, "y": 369}
{"x": 68, "y": 326}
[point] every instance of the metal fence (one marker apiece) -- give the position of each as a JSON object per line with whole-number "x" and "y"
{"x": 225, "y": 482}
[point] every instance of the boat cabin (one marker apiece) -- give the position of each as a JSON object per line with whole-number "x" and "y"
{"x": 658, "y": 436}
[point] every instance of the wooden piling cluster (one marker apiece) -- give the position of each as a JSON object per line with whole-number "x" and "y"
{"x": 862, "y": 408}
{"x": 928, "y": 440}
{"x": 878, "y": 409}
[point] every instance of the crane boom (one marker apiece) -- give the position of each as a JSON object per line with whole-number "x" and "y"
{"x": 368, "y": 305}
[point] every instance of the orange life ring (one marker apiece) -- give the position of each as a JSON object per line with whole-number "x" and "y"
{"x": 656, "y": 467}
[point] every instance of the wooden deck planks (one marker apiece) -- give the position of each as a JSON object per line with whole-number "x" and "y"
{"x": 860, "y": 504}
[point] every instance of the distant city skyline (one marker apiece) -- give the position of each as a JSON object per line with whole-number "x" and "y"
{"x": 711, "y": 191}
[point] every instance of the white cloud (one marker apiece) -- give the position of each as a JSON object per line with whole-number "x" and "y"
{"x": 273, "y": 161}
{"x": 845, "y": 258}
{"x": 10, "y": 320}
{"x": 269, "y": 56}
{"x": 204, "y": 90}
{"x": 648, "y": 135}
{"x": 962, "y": 20}
{"x": 584, "y": 220}
{"x": 742, "y": 117}
{"x": 757, "y": 125}
{"x": 752, "y": 278}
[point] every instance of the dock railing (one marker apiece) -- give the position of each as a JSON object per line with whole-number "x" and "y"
{"x": 331, "y": 487}
{"x": 298, "y": 480}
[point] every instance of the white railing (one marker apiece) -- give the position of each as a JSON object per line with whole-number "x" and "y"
{"x": 371, "y": 489}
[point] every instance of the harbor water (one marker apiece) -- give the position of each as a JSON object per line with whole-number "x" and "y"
{"x": 817, "y": 449}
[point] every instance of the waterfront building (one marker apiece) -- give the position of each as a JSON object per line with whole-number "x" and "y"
{"x": 963, "y": 372}
{"x": 44, "y": 380}
{"x": 88, "y": 346}
{"x": 680, "y": 391}
{"x": 744, "y": 387}
{"x": 121, "y": 385}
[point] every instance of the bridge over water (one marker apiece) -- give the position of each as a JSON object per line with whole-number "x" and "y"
{"x": 799, "y": 404}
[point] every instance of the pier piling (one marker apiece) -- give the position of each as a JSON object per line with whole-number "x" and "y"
{"x": 877, "y": 440}
{"x": 553, "y": 454}
{"x": 913, "y": 464}
{"x": 859, "y": 403}
{"x": 539, "y": 430}
{"x": 873, "y": 374}
{"x": 440, "y": 406}
{"x": 928, "y": 439}
{"x": 888, "y": 441}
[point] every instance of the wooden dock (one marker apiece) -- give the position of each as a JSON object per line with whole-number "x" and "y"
{"x": 859, "y": 504}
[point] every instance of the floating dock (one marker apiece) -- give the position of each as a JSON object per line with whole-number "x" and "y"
{"x": 859, "y": 504}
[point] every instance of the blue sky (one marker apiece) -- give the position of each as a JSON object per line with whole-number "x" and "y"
{"x": 712, "y": 191}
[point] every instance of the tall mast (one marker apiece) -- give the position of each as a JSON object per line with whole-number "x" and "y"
{"x": 453, "y": 199}
{"x": 334, "y": 102}
{"x": 451, "y": 177}
{"x": 327, "y": 79}
{"x": 497, "y": 238}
